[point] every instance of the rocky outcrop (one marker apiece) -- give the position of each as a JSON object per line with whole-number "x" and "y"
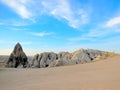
{"x": 50, "y": 59}
{"x": 17, "y": 58}
{"x": 43, "y": 59}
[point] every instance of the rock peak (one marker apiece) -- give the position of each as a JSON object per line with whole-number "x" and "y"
{"x": 18, "y": 44}
{"x": 18, "y": 48}
{"x": 17, "y": 57}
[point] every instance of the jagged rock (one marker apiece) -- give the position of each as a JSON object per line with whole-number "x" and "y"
{"x": 35, "y": 61}
{"x": 44, "y": 59}
{"x": 57, "y": 63}
{"x": 50, "y": 59}
{"x": 63, "y": 55}
{"x": 17, "y": 58}
{"x": 81, "y": 58}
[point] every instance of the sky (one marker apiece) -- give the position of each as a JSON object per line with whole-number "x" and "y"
{"x": 59, "y": 25}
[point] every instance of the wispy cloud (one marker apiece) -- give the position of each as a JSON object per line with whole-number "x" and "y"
{"x": 13, "y": 22}
{"x": 99, "y": 32}
{"x": 19, "y": 23}
{"x": 93, "y": 34}
{"x": 17, "y": 29}
{"x": 79, "y": 38}
{"x": 19, "y": 6}
{"x": 41, "y": 34}
{"x": 1, "y": 41}
{"x": 26, "y": 43}
{"x": 62, "y": 10}
{"x": 1, "y": 23}
{"x": 14, "y": 42}
{"x": 113, "y": 22}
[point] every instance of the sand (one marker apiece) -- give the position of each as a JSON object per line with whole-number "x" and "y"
{"x": 99, "y": 75}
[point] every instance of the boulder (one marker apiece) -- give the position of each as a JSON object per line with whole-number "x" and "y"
{"x": 17, "y": 58}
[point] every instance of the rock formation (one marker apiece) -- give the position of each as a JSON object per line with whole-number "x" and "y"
{"x": 43, "y": 59}
{"x": 50, "y": 59}
{"x": 17, "y": 58}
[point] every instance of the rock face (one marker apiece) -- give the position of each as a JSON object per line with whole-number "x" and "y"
{"x": 50, "y": 59}
{"x": 17, "y": 58}
{"x": 43, "y": 59}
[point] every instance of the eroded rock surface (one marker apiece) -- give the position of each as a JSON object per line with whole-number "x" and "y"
{"x": 50, "y": 59}
{"x": 17, "y": 58}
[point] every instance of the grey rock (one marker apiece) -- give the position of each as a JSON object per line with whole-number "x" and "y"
{"x": 17, "y": 58}
{"x": 44, "y": 59}
{"x": 81, "y": 57}
{"x": 35, "y": 61}
{"x": 50, "y": 59}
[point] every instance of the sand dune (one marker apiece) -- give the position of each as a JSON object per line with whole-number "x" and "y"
{"x": 99, "y": 75}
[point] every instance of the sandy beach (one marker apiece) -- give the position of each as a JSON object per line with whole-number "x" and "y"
{"x": 98, "y": 75}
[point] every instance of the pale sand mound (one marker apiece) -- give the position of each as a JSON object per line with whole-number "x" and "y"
{"x": 100, "y": 75}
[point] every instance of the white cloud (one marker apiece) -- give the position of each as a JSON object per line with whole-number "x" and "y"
{"x": 100, "y": 31}
{"x": 118, "y": 30}
{"x": 1, "y": 41}
{"x": 80, "y": 38}
{"x": 41, "y": 34}
{"x": 1, "y": 23}
{"x": 17, "y": 29}
{"x": 20, "y": 23}
{"x": 92, "y": 35}
{"x": 62, "y": 10}
{"x": 113, "y": 22}
{"x": 26, "y": 43}
{"x": 13, "y": 22}
{"x": 19, "y": 6}
{"x": 16, "y": 41}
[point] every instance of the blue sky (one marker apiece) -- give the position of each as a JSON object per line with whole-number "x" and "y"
{"x": 59, "y": 25}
